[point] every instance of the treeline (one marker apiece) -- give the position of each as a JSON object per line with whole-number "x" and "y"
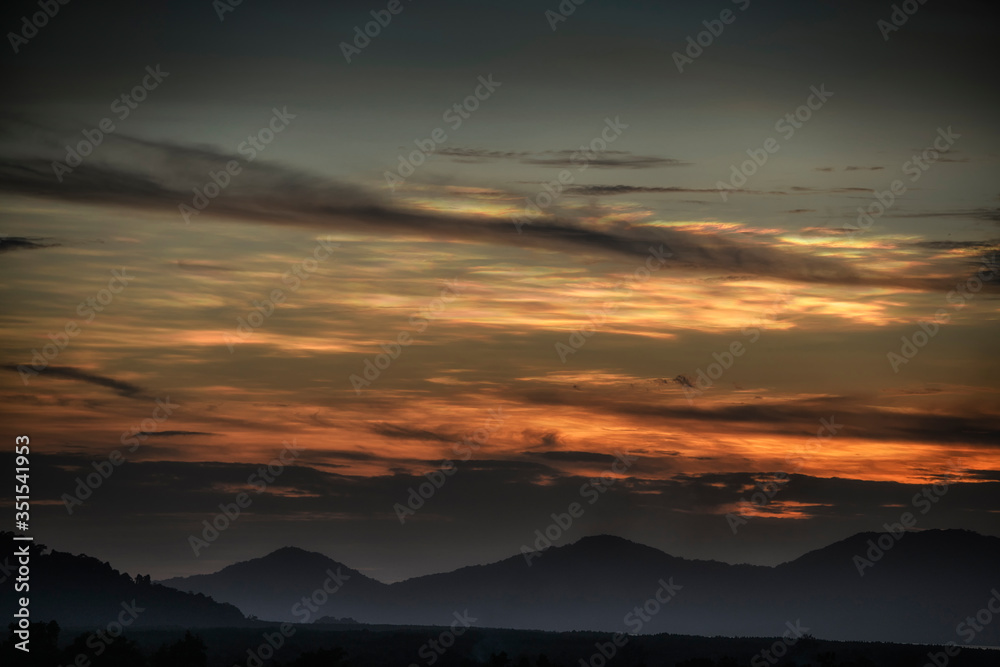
{"x": 396, "y": 646}
{"x": 189, "y": 651}
{"x": 94, "y": 651}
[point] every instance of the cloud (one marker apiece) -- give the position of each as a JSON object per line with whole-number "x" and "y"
{"x": 480, "y": 154}
{"x": 799, "y": 190}
{"x": 605, "y": 160}
{"x": 574, "y": 457}
{"x": 992, "y": 214}
{"x": 824, "y": 231}
{"x": 602, "y": 190}
{"x": 609, "y": 190}
{"x": 858, "y": 415}
{"x": 957, "y": 245}
{"x": 545, "y": 439}
{"x": 126, "y": 389}
{"x": 405, "y": 432}
{"x": 200, "y": 267}
{"x": 684, "y": 381}
{"x": 162, "y": 502}
{"x": 987, "y": 475}
{"x": 563, "y": 158}
{"x": 851, "y": 168}
{"x": 11, "y": 243}
{"x": 158, "y": 176}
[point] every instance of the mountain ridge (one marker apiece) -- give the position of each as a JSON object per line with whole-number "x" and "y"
{"x": 592, "y": 583}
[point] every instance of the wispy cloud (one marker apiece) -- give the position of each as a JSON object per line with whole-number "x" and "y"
{"x": 563, "y": 158}
{"x": 279, "y": 195}
{"x": 608, "y": 190}
{"x": 992, "y": 214}
{"x": 126, "y": 389}
{"x": 11, "y": 243}
{"x": 606, "y": 160}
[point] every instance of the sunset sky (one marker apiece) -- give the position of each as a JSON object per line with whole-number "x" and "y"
{"x": 557, "y": 335}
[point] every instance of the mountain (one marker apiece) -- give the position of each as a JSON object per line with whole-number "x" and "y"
{"x": 273, "y": 587}
{"x": 918, "y": 590}
{"x": 921, "y": 588}
{"x": 589, "y": 585}
{"x": 83, "y": 591}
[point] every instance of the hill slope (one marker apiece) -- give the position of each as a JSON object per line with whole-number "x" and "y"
{"x": 272, "y": 587}
{"x": 83, "y": 591}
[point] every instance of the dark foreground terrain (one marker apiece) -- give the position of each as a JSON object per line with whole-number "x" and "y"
{"x": 405, "y": 646}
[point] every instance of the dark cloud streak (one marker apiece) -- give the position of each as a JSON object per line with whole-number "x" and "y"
{"x": 563, "y": 158}
{"x": 276, "y": 194}
{"x": 11, "y": 243}
{"x": 125, "y": 389}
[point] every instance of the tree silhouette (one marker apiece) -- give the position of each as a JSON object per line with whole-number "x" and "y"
{"x": 44, "y": 646}
{"x": 324, "y": 657}
{"x": 120, "y": 652}
{"x": 190, "y": 651}
{"x": 499, "y": 660}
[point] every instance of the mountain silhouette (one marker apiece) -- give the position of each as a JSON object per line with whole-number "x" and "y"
{"x": 79, "y": 591}
{"x": 918, "y": 590}
{"x": 272, "y": 587}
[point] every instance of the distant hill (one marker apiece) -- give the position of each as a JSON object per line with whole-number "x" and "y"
{"x": 919, "y": 591}
{"x": 83, "y": 591}
{"x": 272, "y": 587}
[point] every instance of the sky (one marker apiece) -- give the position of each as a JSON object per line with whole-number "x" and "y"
{"x": 493, "y": 260}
